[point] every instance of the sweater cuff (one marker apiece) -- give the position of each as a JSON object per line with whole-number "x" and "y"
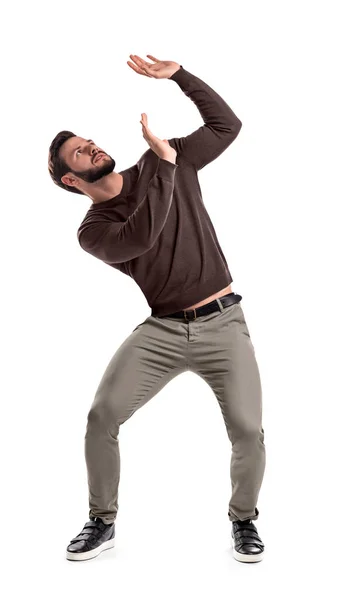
{"x": 166, "y": 169}
{"x": 178, "y": 75}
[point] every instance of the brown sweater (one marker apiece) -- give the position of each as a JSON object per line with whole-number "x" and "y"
{"x": 157, "y": 230}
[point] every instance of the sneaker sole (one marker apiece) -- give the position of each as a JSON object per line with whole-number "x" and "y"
{"x": 249, "y": 558}
{"x": 90, "y": 553}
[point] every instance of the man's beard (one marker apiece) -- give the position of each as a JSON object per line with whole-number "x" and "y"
{"x": 95, "y": 173}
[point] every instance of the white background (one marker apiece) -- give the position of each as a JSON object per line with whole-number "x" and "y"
{"x": 272, "y": 197}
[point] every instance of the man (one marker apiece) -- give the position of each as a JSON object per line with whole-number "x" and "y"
{"x": 149, "y": 221}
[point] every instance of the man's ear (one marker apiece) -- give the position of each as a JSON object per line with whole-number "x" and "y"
{"x": 68, "y": 180}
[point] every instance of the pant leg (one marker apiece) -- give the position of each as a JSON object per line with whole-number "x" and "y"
{"x": 151, "y": 356}
{"x": 222, "y": 353}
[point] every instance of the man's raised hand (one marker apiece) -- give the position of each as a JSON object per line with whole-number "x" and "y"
{"x": 159, "y": 69}
{"x": 161, "y": 147}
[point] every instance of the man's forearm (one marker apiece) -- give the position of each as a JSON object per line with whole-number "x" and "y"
{"x": 221, "y": 124}
{"x": 122, "y": 241}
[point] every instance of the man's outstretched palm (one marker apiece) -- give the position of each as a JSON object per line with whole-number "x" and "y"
{"x": 162, "y": 69}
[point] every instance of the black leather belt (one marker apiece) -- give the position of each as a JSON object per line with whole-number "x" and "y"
{"x": 226, "y": 300}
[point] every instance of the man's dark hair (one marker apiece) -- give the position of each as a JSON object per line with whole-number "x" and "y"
{"x": 57, "y": 166}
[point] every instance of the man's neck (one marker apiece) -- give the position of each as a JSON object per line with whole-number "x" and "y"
{"x": 111, "y": 187}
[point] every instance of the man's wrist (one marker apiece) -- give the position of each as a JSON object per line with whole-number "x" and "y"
{"x": 176, "y": 70}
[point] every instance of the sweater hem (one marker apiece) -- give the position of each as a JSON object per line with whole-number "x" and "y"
{"x": 193, "y": 295}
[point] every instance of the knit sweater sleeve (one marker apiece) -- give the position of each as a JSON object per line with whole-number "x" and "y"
{"x": 221, "y": 125}
{"x": 115, "y": 242}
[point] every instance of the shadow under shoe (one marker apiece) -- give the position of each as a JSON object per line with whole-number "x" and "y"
{"x": 95, "y": 537}
{"x": 246, "y": 543}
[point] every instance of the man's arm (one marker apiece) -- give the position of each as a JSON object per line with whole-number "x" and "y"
{"x": 221, "y": 125}
{"x": 116, "y": 242}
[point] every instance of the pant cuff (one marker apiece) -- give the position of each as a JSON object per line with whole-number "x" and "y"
{"x": 233, "y": 517}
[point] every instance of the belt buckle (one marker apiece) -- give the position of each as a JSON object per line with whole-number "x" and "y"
{"x": 195, "y": 314}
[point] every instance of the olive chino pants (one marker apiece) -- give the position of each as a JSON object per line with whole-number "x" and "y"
{"x": 219, "y": 349}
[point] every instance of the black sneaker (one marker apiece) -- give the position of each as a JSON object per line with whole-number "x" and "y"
{"x": 247, "y": 545}
{"x": 95, "y": 537}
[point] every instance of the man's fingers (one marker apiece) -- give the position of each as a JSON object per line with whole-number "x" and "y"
{"x": 139, "y": 71}
{"x": 142, "y": 64}
{"x": 144, "y": 120}
{"x": 153, "y": 58}
{"x": 140, "y": 61}
{"x": 146, "y": 132}
{"x": 135, "y": 68}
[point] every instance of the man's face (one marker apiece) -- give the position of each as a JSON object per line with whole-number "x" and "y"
{"x": 86, "y": 160}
